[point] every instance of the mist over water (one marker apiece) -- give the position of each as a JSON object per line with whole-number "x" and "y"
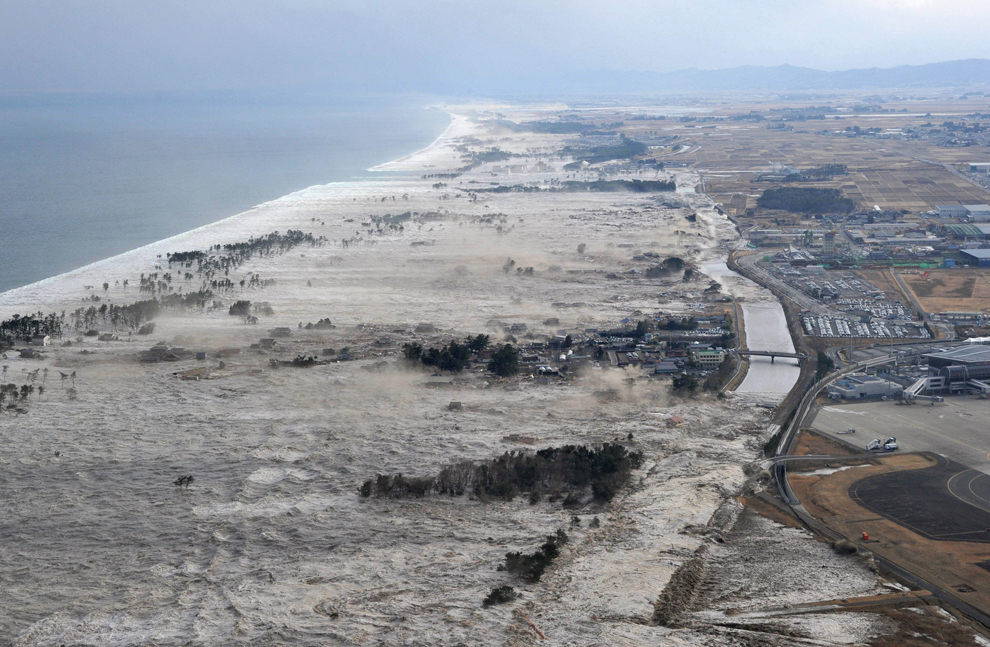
{"x": 83, "y": 179}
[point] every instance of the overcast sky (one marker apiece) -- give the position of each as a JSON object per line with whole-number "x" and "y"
{"x": 453, "y": 45}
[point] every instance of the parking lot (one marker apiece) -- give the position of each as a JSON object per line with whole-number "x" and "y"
{"x": 957, "y": 428}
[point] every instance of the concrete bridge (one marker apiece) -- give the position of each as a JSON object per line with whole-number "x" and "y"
{"x": 772, "y": 354}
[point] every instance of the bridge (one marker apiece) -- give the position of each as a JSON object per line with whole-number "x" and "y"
{"x": 772, "y": 354}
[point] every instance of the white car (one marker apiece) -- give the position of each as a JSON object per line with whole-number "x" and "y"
{"x": 889, "y": 445}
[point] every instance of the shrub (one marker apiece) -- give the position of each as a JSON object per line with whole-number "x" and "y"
{"x": 240, "y": 309}
{"x": 500, "y": 595}
{"x": 531, "y": 567}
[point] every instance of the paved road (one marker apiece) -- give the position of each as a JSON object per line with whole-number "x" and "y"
{"x": 750, "y": 263}
{"x": 936, "y": 502}
{"x": 956, "y": 428}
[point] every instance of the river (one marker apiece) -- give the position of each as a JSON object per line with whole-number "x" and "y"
{"x": 766, "y": 329}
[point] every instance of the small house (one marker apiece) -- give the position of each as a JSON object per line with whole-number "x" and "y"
{"x": 41, "y": 340}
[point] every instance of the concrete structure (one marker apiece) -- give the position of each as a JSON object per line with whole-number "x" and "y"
{"x": 828, "y": 243}
{"x": 978, "y": 257}
{"x": 951, "y": 211}
{"x": 858, "y": 386}
{"x": 709, "y": 358}
{"x": 978, "y": 212}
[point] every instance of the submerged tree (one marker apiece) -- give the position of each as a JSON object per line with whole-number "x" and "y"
{"x": 505, "y": 361}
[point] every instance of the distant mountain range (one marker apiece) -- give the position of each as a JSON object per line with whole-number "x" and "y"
{"x": 781, "y": 78}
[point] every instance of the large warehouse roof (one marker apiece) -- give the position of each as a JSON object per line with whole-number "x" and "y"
{"x": 963, "y": 355}
{"x": 981, "y": 254}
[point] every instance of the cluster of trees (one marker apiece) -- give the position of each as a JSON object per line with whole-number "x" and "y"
{"x": 626, "y": 148}
{"x": 322, "y": 324}
{"x": 244, "y": 308}
{"x": 476, "y": 159}
{"x": 453, "y": 357}
{"x": 570, "y": 469}
{"x": 806, "y": 200}
{"x": 13, "y": 393}
{"x": 499, "y": 595}
{"x": 684, "y": 384}
{"x": 673, "y": 323}
{"x": 825, "y": 365}
{"x": 134, "y": 315}
{"x": 23, "y": 328}
{"x": 531, "y": 567}
{"x": 822, "y": 172}
{"x": 504, "y": 361}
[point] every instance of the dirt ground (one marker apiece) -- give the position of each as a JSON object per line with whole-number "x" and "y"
{"x": 809, "y": 443}
{"x": 965, "y": 289}
{"x": 954, "y": 565}
{"x": 883, "y": 281}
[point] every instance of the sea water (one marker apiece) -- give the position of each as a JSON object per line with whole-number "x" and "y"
{"x": 83, "y": 178}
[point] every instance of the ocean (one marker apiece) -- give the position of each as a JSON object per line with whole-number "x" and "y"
{"x": 86, "y": 178}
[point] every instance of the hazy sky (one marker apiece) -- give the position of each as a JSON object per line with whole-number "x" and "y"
{"x": 454, "y": 45}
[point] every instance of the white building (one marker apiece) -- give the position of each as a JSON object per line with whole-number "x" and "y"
{"x": 951, "y": 211}
{"x": 978, "y": 212}
{"x": 858, "y": 386}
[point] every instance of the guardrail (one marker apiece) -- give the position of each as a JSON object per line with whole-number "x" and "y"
{"x": 783, "y": 447}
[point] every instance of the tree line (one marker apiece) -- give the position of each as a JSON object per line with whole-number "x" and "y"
{"x": 556, "y": 471}
{"x": 23, "y": 328}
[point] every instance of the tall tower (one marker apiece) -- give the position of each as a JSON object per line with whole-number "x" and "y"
{"x": 828, "y": 244}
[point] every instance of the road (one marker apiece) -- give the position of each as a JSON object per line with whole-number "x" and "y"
{"x": 750, "y": 264}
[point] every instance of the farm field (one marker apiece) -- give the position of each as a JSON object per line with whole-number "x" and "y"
{"x": 951, "y": 290}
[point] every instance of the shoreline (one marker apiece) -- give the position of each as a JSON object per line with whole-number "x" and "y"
{"x": 6, "y": 295}
{"x": 280, "y": 436}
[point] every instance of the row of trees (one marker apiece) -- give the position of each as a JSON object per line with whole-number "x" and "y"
{"x": 221, "y": 259}
{"x": 555, "y": 470}
{"x": 134, "y": 315}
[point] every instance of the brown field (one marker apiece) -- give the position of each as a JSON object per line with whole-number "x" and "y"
{"x": 883, "y": 280}
{"x": 948, "y": 290}
{"x": 891, "y": 173}
{"x": 951, "y": 564}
